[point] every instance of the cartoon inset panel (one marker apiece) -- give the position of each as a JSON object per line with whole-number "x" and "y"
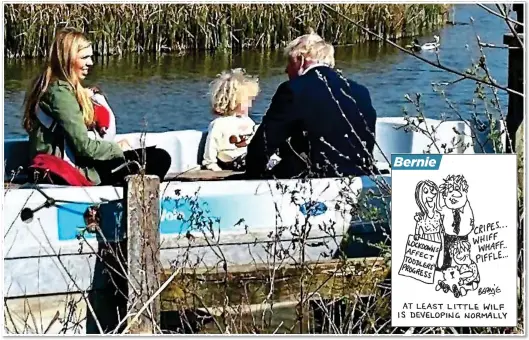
{"x": 454, "y": 234}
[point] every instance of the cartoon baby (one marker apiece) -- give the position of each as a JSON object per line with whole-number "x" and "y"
{"x": 470, "y": 278}
{"x": 464, "y": 275}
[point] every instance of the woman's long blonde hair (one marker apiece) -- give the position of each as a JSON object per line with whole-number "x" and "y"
{"x": 60, "y": 65}
{"x": 419, "y": 195}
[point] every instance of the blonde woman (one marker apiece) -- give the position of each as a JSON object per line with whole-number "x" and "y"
{"x": 429, "y": 220}
{"x": 232, "y": 94}
{"x": 58, "y": 112}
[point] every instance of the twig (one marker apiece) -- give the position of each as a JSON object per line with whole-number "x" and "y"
{"x": 439, "y": 66}
{"x": 513, "y": 31}
{"x": 489, "y": 45}
{"x": 500, "y": 16}
{"x": 162, "y": 287}
{"x": 483, "y": 65}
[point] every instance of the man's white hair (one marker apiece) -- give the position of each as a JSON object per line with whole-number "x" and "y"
{"x": 311, "y": 47}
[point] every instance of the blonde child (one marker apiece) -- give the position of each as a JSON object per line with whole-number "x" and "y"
{"x": 229, "y": 134}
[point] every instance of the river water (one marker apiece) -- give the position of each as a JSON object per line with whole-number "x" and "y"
{"x": 170, "y": 92}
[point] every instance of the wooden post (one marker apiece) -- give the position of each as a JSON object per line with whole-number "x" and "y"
{"x": 515, "y": 81}
{"x": 143, "y": 252}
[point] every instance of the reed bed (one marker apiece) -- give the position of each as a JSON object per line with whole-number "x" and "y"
{"x": 118, "y": 29}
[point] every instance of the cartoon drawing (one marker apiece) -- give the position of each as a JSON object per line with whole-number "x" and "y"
{"x": 457, "y": 215}
{"x": 464, "y": 275}
{"x": 455, "y": 241}
{"x": 443, "y": 223}
{"x": 450, "y": 282}
{"x": 460, "y": 252}
{"x": 428, "y": 220}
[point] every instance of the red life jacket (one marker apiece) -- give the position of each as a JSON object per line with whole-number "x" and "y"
{"x": 61, "y": 168}
{"x": 102, "y": 115}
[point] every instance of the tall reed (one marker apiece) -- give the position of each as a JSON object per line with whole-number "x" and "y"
{"x": 124, "y": 28}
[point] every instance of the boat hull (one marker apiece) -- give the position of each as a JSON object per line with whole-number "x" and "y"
{"x": 51, "y": 257}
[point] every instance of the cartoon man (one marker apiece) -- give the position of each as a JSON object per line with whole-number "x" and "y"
{"x": 458, "y": 217}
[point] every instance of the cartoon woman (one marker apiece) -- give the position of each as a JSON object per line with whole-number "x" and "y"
{"x": 429, "y": 220}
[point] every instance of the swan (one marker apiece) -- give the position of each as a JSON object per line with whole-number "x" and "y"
{"x": 416, "y": 46}
{"x": 431, "y": 45}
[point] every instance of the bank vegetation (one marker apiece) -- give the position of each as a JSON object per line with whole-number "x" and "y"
{"x": 118, "y": 29}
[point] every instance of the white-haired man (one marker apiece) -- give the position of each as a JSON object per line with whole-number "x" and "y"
{"x": 319, "y": 123}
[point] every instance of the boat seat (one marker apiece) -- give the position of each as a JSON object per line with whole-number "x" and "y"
{"x": 186, "y": 147}
{"x": 450, "y": 137}
{"x": 392, "y": 137}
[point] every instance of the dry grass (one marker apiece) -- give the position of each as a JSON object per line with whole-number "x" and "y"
{"x": 119, "y": 29}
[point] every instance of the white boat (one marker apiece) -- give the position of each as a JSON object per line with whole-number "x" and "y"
{"x": 45, "y": 257}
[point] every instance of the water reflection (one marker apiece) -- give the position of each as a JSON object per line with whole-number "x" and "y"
{"x": 199, "y": 66}
{"x": 171, "y": 91}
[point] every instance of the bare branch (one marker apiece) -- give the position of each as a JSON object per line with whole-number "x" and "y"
{"x": 509, "y": 24}
{"x": 489, "y": 45}
{"x": 500, "y": 15}
{"x": 439, "y": 66}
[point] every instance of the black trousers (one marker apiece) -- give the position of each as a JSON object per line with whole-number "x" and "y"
{"x": 449, "y": 240}
{"x": 238, "y": 164}
{"x": 157, "y": 162}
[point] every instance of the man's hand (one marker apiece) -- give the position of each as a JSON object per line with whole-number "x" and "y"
{"x": 416, "y": 237}
{"x": 240, "y": 142}
{"x": 243, "y": 143}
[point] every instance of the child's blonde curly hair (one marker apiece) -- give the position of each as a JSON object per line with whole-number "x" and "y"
{"x": 231, "y": 89}
{"x": 459, "y": 247}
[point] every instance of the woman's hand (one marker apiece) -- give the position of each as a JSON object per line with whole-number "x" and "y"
{"x": 124, "y": 145}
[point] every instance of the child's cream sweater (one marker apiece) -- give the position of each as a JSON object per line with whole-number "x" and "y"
{"x": 218, "y": 141}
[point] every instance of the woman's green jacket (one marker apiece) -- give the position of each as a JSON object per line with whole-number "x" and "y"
{"x": 59, "y": 103}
